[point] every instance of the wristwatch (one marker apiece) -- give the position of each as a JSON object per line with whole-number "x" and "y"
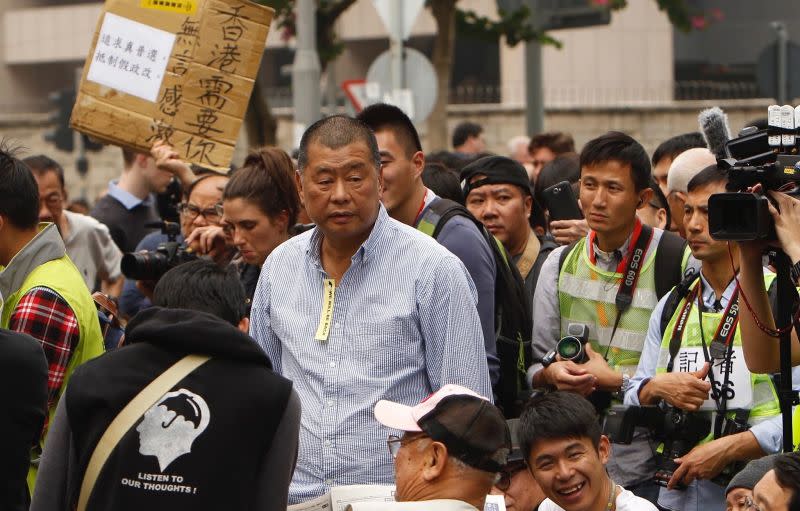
{"x": 626, "y": 384}
{"x": 549, "y": 358}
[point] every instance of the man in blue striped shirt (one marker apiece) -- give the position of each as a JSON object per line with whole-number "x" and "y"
{"x": 360, "y": 308}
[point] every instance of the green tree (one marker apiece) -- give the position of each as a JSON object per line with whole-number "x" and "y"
{"x": 260, "y": 125}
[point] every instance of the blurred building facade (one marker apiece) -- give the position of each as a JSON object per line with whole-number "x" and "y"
{"x": 638, "y": 73}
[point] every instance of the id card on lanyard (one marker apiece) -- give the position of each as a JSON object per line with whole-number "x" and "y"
{"x": 326, "y": 314}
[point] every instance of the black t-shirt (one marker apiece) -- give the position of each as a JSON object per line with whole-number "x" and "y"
{"x": 126, "y": 226}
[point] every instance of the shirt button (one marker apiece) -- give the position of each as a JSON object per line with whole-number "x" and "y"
{"x": 328, "y": 482}
{"x": 332, "y": 364}
{"x": 337, "y": 325}
{"x": 330, "y": 403}
{"x": 327, "y": 443}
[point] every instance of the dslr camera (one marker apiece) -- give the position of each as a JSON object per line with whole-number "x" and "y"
{"x": 570, "y": 347}
{"x": 768, "y": 157}
{"x": 679, "y": 431}
{"x": 152, "y": 265}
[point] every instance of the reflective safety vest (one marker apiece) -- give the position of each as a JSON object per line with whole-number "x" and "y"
{"x": 587, "y": 294}
{"x": 764, "y": 403}
{"x": 63, "y": 277}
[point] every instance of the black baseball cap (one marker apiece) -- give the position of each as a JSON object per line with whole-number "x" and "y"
{"x": 496, "y": 170}
{"x": 472, "y": 428}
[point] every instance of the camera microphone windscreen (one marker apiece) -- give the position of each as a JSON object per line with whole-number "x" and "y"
{"x": 716, "y": 132}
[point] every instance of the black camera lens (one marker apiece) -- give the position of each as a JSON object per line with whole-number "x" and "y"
{"x": 570, "y": 348}
{"x": 144, "y": 265}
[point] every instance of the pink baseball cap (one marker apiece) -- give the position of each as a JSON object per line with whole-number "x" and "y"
{"x": 468, "y": 424}
{"x": 404, "y": 418}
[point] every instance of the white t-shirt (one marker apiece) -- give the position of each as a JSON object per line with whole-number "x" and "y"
{"x": 91, "y": 248}
{"x": 626, "y": 501}
{"x": 423, "y": 505}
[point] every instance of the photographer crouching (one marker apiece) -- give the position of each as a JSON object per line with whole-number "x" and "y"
{"x": 712, "y": 411}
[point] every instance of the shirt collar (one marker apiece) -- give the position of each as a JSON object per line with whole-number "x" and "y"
{"x": 708, "y": 292}
{"x": 364, "y": 251}
{"x": 609, "y": 256}
{"x": 127, "y": 199}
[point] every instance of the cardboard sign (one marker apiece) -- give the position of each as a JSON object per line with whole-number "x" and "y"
{"x": 177, "y": 70}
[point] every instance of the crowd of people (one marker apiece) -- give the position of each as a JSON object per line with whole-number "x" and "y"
{"x": 365, "y": 312}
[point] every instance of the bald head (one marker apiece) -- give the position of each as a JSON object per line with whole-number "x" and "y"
{"x": 686, "y": 165}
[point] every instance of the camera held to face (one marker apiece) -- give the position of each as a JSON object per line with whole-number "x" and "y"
{"x": 152, "y": 265}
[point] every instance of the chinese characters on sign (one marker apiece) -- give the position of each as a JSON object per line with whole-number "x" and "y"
{"x": 190, "y": 88}
{"x": 131, "y": 57}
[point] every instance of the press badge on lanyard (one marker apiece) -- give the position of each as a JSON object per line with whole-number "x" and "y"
{"x": 326, "y": 314}
{"x": 739, "y": 391}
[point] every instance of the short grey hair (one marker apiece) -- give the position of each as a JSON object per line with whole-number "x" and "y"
{"x": 335, "y": 132}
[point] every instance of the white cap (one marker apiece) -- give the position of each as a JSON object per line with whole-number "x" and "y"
{"x": 404, "y": 418}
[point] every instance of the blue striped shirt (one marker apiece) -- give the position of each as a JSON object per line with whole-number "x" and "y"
{"x": 404, "y": 324}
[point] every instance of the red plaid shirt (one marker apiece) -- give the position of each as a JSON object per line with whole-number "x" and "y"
{"x": 45, "y": 315}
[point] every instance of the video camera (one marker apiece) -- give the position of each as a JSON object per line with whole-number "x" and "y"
{"x": 152, "y": 265}
{"x": 768, "y": 157}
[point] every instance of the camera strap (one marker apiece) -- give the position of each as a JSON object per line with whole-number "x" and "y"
{"x": 722, "y": 349}
{"x": 630, "y": 267}
{"x": 721, "y": 345}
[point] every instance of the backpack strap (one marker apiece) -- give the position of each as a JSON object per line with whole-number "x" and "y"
{"x": 438, "y": 212}
{"x": 677, "y": 294}
{"x": 669, "y": 262}
{"x": 545, "y": 248}
{"x": 128, "y": 416}
{"x": 562, "y": 257}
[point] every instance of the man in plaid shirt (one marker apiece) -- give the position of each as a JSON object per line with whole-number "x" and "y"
{"x": 42, "y": 293}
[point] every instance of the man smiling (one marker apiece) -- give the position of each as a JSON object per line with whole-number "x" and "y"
{"x": 567, "y": 454}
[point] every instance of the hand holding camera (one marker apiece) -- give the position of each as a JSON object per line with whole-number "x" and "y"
{"x": 687, "y": 391}
{"x": 210, "y": 240}
{"x": 787, "y": 221}
{"x": 574, "y": 366}
{"x": 704, "y": 461}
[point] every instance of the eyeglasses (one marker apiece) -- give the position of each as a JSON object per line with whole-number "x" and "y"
{"x": 191, "y": 211}
{"x": 395, "y": 443}
{"x": 504, "y": 477}
{"x": 749, "y": 504}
